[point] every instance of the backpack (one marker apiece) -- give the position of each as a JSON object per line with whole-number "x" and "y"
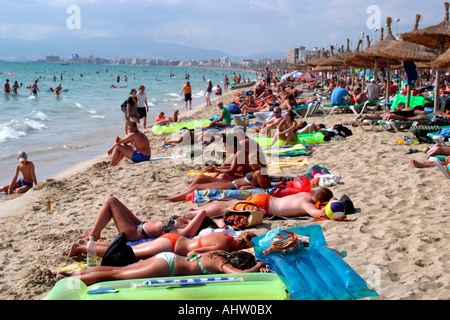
{"x": 123, "y": 107}
{"x": 118, "y": 254}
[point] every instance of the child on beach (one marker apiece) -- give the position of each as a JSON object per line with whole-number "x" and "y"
{"x": 28, "y": 176}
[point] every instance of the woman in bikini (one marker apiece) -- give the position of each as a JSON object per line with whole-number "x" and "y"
{"x": 173, "y": 242}
{"x": 287, "y": 129}
{"x": 135, "y": 229}
{"x": 168, "y": 264}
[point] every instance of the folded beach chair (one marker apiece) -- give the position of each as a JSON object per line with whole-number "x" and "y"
{"x": 311, "y": 108}
{"x": 444, "y": 170}
{"x": 370, "y": 103}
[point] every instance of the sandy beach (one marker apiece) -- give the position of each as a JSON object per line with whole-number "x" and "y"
{"x": 397, "y": 236}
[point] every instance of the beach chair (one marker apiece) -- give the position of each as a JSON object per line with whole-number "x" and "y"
{"x": 370, "y": 103}
{"x": 445, "y": 171}
{"x": 352, "y": 107}
{"x": 372, "y": 124}
{"x": 311, "y": 108}
{"x": 439, "y": 136}
{"x": 415, "y": 101}
{"x": 397, "y": 126}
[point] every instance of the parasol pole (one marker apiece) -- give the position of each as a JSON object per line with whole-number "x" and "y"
{"x": 437, "y": 101}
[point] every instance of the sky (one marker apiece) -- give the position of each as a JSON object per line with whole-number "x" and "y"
{"x": 236, "y": 27}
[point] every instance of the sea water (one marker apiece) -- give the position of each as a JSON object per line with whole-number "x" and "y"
{"x": 58, "y": 132}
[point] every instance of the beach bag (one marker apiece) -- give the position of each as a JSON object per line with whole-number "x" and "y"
{"x": 244, "y": 218}
{"x": 287, "y": 242}
{"x": 123, "y": 107}
{"x": 348, "y": 204}
{"x": 118, "y": 253}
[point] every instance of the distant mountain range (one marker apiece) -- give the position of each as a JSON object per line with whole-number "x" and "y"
{"x": 120, "y": 47}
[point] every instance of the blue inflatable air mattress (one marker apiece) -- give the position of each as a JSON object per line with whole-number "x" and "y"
{"x": 315, "y": 272}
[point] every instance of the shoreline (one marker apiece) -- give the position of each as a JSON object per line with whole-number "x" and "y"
{"x": 396, "y": 241}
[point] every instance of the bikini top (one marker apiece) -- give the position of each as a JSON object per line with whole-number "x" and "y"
{"x": 197, "y": 256}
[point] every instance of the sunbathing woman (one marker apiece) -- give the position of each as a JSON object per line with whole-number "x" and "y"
{"x": 136, "y": 229}
{"x": 253, "y": 180}
{"x": 287, "y": 129}
{"x": 173, "y": 242}
{"x": 168, "y": 264}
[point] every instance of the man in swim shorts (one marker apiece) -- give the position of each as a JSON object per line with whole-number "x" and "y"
{"x": 139, "y": 153}
{"x": 296, "y": 205}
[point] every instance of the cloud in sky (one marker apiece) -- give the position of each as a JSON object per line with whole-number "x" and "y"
{"x": 237, "y": 27}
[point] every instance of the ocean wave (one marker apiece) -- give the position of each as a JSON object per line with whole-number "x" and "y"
{"x": 15, "y": 129}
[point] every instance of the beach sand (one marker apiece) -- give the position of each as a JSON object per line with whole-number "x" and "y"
{"x": 396, "y": 240}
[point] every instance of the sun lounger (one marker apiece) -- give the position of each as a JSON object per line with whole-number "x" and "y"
{"x": 311, "y": 108}
{"x": 398, "y": 125}
{"x": 443, "y": 169}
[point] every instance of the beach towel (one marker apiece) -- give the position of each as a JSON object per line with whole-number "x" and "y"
{"x": 209, "y": 195}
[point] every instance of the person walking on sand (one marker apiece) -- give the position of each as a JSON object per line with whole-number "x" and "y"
{"x": 142, "y": 108}
{"x": 28, "y": 176}
{"x": 139, "y": 153}
{"x": 187, "y": 90}
{"x": 208, "y": 92}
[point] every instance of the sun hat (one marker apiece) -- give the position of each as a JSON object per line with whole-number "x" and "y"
{"x": 22, "y": 156}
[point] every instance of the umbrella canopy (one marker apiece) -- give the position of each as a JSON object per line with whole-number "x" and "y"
{"x": 443, "y": 61}
{"x": 408, "y": 51}
{"x": 436, "y": 37}
{"x": 331, "y": 61}
{"x": 312, "y": 62}
{"x": 354, "y": 61}
{"x": 307, "y": 76}
{"x": 284, "y": 77}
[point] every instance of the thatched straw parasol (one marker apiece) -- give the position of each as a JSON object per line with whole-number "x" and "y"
{"x": 354, "y": 60}
{"x": 374, "y": 53}
{"x": 435, "y": 37}
{"x": 331, "y": 61}
{"x": 408, "y": 51}
{"x": 443, "y": 61}
{"x": 312, "y": 62}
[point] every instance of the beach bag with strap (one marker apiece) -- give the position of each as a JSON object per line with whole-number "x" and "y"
{"x": 287, "y": 242}
{"x": 123, "y": 107}
{"x": 245, "y": 217}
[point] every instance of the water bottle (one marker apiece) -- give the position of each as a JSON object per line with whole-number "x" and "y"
{"x": 91, "y": 253}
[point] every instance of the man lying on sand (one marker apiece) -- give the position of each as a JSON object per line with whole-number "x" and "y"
{"x": 300, "y": 204}
{"x": 139, "y": 153}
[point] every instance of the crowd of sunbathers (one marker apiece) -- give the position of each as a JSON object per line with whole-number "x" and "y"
{"x": 178, "y": 246}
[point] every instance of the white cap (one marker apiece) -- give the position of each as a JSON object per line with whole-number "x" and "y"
{"x": 22, "y": 156}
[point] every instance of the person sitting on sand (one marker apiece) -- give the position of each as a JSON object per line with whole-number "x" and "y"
{"x": 138, "y": 153}
{"x": 252, "y": 180}
{"x": 224, "y": 119}
{"x": 296, "y": 205}
{"x": 269, "y": 127}
{"x": 436, "y": 150}
{"x": 168, "y": 264}
{"x": 135, "y": 229}
{"x": 28, "y": 176}
{"x": 178, "y": 244}
{"x": 286, "y": 130}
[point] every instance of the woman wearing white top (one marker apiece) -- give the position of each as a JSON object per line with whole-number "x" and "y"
{"x": 142, "y": 105}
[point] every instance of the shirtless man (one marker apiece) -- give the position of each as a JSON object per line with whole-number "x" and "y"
{"x": 34, "y": 88}
{"x": 29, "y": 177}
{"x": 296, "y": 205}
{"x": 139, "y": 153}
{"x": 272, "y": 124}
{"x": 7, "y": 86}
